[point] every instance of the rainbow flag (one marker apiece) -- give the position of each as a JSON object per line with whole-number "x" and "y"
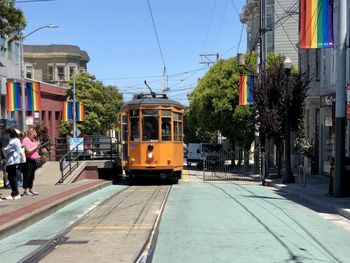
{"x": 68, "y": 111}
{"x": 13, "y": 98}
{"x": 33, "y": 96}
{"x": 246, "y": 84}
{"x": 316, "y": 24}
{"x": 80, "y": 111}
{"x": 67, "y": 114}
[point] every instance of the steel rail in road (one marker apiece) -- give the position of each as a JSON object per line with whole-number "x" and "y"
{"x": 46, "y": 248}
{"x": 134, "y": 204}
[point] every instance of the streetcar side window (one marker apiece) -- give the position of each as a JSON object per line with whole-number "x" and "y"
{"x": 150, "y": 130}
{"x": 166, "y": 129}
{"x": 177, "y": 126}
{"x": 124, "y": 128}
{"x": 135, "y": 129}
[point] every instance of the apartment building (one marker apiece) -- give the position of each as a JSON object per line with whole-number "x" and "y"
{"x": 281, "y": 23}
{"x": 54, "y": 63}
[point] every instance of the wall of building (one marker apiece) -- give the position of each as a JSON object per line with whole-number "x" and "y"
{"x": 286, "y": 34}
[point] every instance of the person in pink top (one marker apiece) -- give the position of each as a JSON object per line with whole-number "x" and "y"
{"x": 31, "y": 147}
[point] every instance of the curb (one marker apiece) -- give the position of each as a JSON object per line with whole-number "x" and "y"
{"x": 311, "y": 200}
{"x": 24, "y": 222}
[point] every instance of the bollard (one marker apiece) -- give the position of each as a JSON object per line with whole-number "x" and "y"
{"x": 331, "y": 176}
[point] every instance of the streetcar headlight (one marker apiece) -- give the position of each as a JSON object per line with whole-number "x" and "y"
{"x": 149, "y": 155}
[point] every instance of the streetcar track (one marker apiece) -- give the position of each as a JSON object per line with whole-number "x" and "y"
{"x": 148, "y": 204}
{"x": 147, "y": 251}
{"x": 59, "y": 239}
{"x": 125, "y": 195}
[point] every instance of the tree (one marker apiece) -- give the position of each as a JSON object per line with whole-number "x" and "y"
{"x": 12, "y": 20}
{"x": 271, "y": 98}
{"x": 213, "y": 103}
{"x": 193, "y": 133}
{"x": 102, "y": 104}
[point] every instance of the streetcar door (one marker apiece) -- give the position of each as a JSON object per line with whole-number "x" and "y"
{"x": 124, "y": 137}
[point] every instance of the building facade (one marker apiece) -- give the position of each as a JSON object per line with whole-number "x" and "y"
{"x": 10, "y": 71}
{"x": 281, "y": 24}
{"x": 52, "y": 96}
{"x": 54, "y": 64}
{"x": 321, "y": 65}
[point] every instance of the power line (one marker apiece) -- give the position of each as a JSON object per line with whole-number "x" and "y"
{"x": 235, "y": 7}
{"x": 209, "y": 25}
{"x": 155, "y": 31}
{"x": 290, "y": 41}
{"x": 33, "y": 1}
{"x": 220, "y": 27}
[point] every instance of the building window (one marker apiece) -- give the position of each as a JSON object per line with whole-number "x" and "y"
{"x": 17, "y": 53}
{"x": 50, "y": 73}
{"x": 10, "y": 51}
{"x": 3, "y": 47}
{"x": 318, "y": 64}
{"x": 60, "y": 73}
{"x": 333, "y": 67}
{"x": 72, "y": 69}
{"x": 29, "y": 72}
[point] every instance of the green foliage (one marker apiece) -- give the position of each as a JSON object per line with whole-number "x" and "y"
{"x": 102, "y": 104}
{"x": 12, "y": 20}
{"x": 274, "y": 92}
{"x": 213, "y": 103}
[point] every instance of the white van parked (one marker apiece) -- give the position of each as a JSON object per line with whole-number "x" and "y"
{"x": 199, "y": 152}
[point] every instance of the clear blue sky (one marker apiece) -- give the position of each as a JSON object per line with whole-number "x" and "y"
{"x": 120, "y": 40}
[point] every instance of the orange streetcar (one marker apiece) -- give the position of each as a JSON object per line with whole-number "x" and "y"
{"x": 152, "y": 137}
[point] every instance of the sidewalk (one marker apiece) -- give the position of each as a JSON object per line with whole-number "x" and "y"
{"x": 19, "y": 214}
{"x": 315, "y": 192}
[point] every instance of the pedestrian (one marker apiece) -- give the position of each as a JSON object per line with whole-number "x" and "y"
{"x": 12, "y": 154}
{"x": 4, "y": 142}
{"x": 31, "y": 147}
{"x": 22, "y": 135}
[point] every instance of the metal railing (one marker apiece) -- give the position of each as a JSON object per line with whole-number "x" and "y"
{"x": 91, "y": 148}
{"x": 226, "y": 166}
{"x": 71, "y": 161}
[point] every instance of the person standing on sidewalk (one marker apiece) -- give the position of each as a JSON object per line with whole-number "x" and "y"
{"x": 12, "y": 154}
{"x": 4, "y": 141}
{"x": 31, "y": 146}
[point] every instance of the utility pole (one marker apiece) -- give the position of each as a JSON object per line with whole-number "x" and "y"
{"x": 74, "y": 108}
{"x": 339, "y": 180}
{"x": 263, "y": 137}
{"x": 208, "y": 59}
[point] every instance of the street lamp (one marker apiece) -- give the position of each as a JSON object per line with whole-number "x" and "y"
{"x": 288, "y": 175}
{"x": 22, "y": 72}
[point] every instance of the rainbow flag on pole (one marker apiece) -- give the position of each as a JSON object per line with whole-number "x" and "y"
{"x": 13, "y": 98}
{"x": 68, "y": 111}
{"x": 80, "y": 111}
{"x": 316, "y": 24}
{"x": 67, "y": 114}
{"x": 33, "y": 96}
{"x": 246, "y": 84}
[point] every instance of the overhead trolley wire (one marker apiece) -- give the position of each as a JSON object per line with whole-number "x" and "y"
{"x": 155, "y": 31}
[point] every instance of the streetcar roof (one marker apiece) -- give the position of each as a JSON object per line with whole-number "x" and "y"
{"x": 152, "y": 102}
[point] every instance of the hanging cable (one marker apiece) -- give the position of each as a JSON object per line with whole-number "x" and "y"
{"x": 155, "y": 31}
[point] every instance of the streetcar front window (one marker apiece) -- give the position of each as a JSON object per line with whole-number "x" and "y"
{"x": 166, "y": 129}
{"x": 150, "y": 131}
{"x": 135, "y": 129}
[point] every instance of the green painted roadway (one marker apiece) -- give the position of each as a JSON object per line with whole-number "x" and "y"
{"x": 227, "y": 222}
